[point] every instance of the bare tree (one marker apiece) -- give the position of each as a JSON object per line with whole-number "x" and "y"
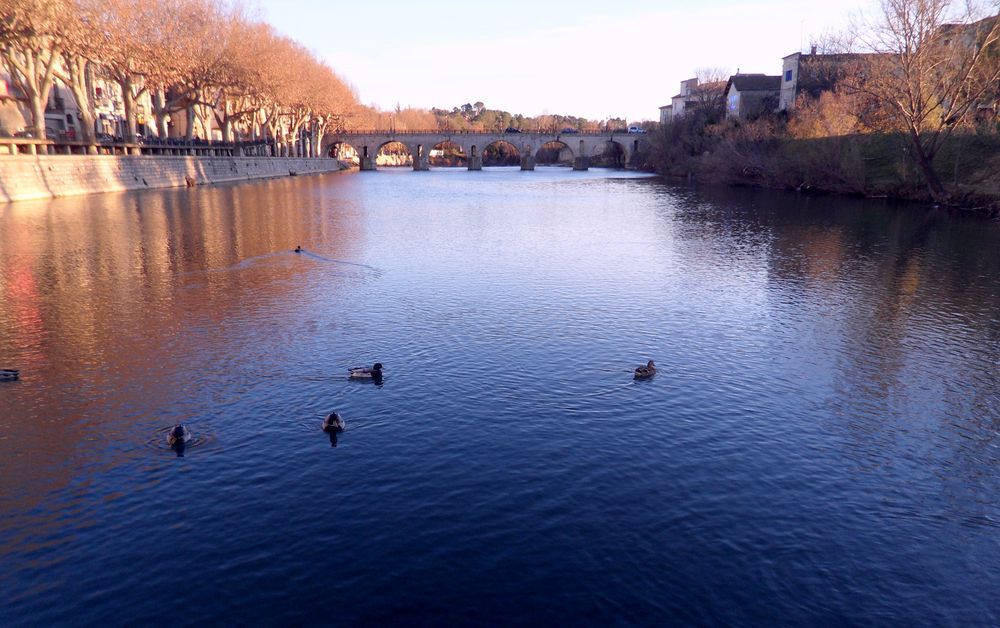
{"x": 31, "y": 44}
{"x": 927, "y": 74}
{"x": 78, "y": 68}
{"x": 709, "y": 95}
{"x": 128, "y": 49}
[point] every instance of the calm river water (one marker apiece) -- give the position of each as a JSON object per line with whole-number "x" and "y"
{"x": 821, "y": 444}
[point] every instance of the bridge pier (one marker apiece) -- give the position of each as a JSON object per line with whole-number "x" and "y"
{"x": 527, "y": 162}
{"x": 581, "y": 163}
{"x": 366, "y": 160}
{"x": 421, "y": 160}
{"x": 474, "y": 157}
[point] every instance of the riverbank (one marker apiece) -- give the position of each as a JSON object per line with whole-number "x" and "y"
{"x": 868, "y": 165}
{"x": 31, "y": 177}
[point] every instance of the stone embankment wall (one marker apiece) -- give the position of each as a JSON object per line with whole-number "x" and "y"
{"x": 26, "y": 177}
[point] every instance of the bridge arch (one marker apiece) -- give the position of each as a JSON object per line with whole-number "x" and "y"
{"x": 343, "y": 150}
{"x": 449, "y": 153}
{"x": 394, "y": 153}
{"x": 501, "y": 152}
{"x": 554, "y": 151}
{"x": 609, "y": 154}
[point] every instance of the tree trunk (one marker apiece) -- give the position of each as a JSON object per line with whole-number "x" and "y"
{"x": 160, "y": 112}
{"x": 320, "y": 132}
{"x": 925, "y": 162}
{"x": 33, "y": 74}
{"x": 272, "y": 126}
{"x": 79, "y": 84}
{"x": 189, "y": 133}
{"x": 224, "y": 122}
{"x": 128, "y": 99}
{"x": 38, "y": 116}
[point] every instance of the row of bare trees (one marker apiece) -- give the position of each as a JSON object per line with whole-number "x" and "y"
{"x": 206, "y": 58}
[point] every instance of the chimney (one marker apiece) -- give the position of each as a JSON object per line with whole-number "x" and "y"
{"x": 813, "y": 52}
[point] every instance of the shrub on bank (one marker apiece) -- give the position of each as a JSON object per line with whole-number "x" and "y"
{"x": 826, "y": 150}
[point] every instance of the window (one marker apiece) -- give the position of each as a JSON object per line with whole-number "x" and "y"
{"x": 788, "y": 76}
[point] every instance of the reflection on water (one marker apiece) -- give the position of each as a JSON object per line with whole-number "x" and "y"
{"x": 821, "y": 441}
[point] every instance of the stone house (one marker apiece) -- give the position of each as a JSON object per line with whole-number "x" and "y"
{"x": 692, "y": 97}
{"x": 750, "y": 95}
{"x": 680, "y": 102}
{"x": 812, "y": 74}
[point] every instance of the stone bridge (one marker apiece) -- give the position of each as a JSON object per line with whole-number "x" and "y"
{"x": 580, "y": 146}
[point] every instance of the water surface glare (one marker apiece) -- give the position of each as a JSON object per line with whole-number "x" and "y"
{"x": 820, "y": 444}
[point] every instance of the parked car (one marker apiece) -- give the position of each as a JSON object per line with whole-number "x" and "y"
{"x": 636, "y": 129}
{"x": 511, "y": 129}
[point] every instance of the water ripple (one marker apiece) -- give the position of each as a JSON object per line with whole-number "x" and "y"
{"x": 821, "y": 439}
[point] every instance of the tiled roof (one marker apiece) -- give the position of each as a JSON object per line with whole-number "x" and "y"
{"x": 754, "y": 82}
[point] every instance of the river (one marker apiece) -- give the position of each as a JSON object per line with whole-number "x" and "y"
{"x": 820, "y": 445}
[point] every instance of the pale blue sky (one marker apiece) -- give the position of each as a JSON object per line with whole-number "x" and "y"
{"x": 586, "y": 58}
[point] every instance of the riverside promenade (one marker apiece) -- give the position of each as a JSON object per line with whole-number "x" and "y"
{"x": 26, "y": 176}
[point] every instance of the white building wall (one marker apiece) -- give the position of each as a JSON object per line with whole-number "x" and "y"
{"x": 789, "y": 82}
{"x": 677, "y": 106}
{"x": 732, "y": 102}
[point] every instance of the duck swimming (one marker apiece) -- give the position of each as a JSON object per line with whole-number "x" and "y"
{"x": 298, "y": 249}
{"x": 363, "y": 372}
{"x": 333, "y": 423}
{"x": 642, "y": 372}
{"x": 178, "y": 436}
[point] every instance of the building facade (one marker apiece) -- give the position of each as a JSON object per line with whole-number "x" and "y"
{"x": 751, "y": 95}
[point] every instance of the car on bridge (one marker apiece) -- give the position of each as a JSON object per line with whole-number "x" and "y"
{"x": 636, "y": 129}
{"x": 569, "y": 130}
{"x": 511, "y": 129}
